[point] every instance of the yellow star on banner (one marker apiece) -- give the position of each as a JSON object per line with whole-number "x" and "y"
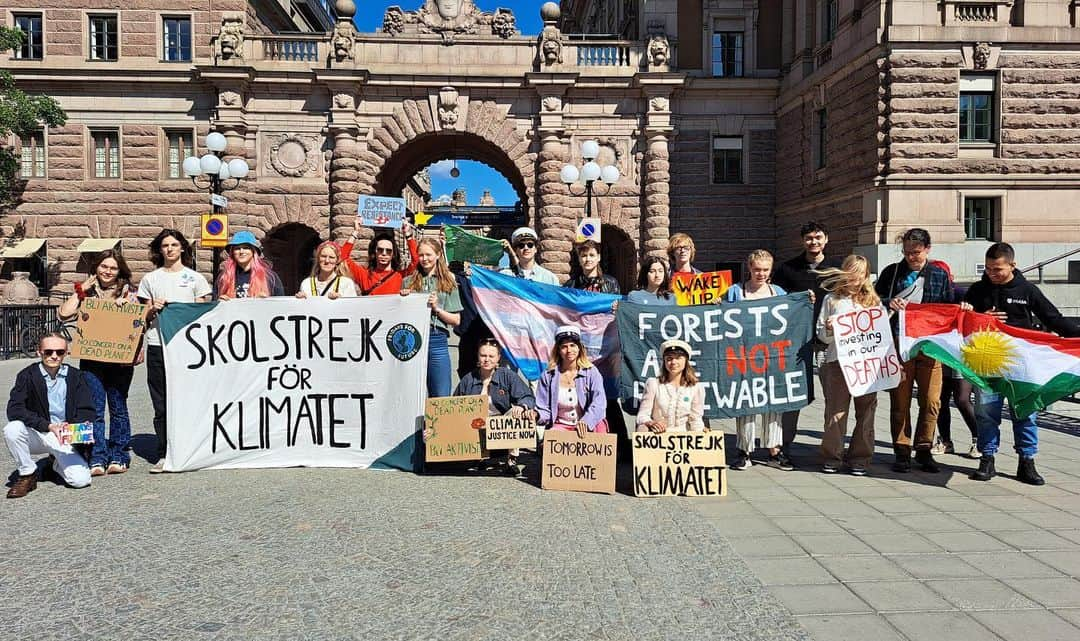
{"x": 421, "y": 218}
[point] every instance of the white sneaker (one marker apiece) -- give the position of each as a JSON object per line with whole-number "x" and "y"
{"x": 974, "y": 451}
{"x": 938, "y": 449}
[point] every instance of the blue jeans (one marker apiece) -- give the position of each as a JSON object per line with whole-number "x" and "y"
{"x": 988, "y": 419}
{"x": 109, "y": 384}
{"x": 438, "y": 364}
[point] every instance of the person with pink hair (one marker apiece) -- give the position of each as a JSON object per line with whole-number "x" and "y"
{"x": 245, "y": 273}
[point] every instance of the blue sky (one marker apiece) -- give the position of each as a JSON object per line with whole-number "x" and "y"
{"x": 475, "y": 177}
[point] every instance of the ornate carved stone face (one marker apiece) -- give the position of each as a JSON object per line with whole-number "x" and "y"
{"x": 448, "y": 9}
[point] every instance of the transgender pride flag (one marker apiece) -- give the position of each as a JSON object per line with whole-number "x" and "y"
{"x": 523, "y": 316}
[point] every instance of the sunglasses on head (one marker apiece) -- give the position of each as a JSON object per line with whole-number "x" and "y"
{"x": 384, "y": 250}
{"x": 489, "y": 341}
{"x": 51, "y": 352}
{"x": 525, "y": 245}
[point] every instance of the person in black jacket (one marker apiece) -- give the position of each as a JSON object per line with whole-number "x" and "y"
{"x": 1006, "y": 295}
{"x": 46, "y": 395}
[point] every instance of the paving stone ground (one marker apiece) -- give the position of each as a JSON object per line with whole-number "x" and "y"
{"x": 350, "y": 554}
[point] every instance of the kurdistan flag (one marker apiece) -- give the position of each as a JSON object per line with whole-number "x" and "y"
{"x": 1032, "y": 369}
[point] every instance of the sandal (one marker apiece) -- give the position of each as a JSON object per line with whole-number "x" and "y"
{"x": 97, "y": 470}
{"x": 116, "y": 468}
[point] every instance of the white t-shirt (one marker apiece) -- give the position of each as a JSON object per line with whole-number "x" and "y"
{"x": 182, "y": 286}
{"x": 345, "y": 286}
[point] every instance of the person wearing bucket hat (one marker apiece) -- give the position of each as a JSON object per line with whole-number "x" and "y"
{"x": 522, "y": 248}
{"x": 245, "y": 273}
{"x": 673, "y": 401}
{"x": 570, "y": 395}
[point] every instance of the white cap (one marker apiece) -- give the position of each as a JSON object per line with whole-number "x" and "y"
{"x": 567, "y": 332}
{"x": 522, "y": 231}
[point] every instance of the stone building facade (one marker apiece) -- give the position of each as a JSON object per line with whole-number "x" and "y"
{"x": 732, "y": 121}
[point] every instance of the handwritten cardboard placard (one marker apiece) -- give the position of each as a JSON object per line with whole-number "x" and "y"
{"x": 453, "y": 424}
{"x": 706, "y": 288}
{"x": 679, "y": 464}
{"x": 381, "y": 211}
{"x": 108, "y": 331}
{"x": 507, "y": 432}
{"x": 578, "y": 464}
{"x": 865, "y": 350}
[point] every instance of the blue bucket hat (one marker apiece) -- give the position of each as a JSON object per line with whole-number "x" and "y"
{"x": 244, "y": 238}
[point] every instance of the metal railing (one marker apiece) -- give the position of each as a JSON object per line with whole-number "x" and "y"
{"x": 1040, "y": 266}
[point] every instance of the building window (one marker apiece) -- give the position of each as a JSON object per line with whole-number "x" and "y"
{"x": 727, "y": 160}
{"x": 727, "y": 54}
{"x": 32, "y": 155}
{"x": 180, "y": 146}
{"x": 176, "y": 34}
{"x": 104, "y": 43}
{"x": 977, "y": 108}
{"x": 830, "y": 18}
{"x": 33, "y": 44}
{"x": 979, "y": 219}
{"x": 822, "y": 138}
{"x": 106, "y": 154}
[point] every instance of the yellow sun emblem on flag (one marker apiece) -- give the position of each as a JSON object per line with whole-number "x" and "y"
{"x": 988, "y": 352}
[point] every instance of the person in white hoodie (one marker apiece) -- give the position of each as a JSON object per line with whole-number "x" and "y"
{"x": 850, "y": 289}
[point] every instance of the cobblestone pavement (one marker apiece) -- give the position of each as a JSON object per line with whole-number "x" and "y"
{"x": 343, "y": 554}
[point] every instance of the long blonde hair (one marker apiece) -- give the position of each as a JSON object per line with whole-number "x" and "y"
{"x": 583, "y": 361}
{"x": 851, "y": 280}
{"x": 444, "y": 279}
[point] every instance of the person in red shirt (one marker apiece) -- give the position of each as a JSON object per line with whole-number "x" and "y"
{"x": 385, "y": 271}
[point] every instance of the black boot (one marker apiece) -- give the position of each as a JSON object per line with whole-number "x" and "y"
{"x": 1026, "y": 472}
{"x": 903, "y": 462}
{"x": 926, "y": 461}
{"x": 986, "y": 469}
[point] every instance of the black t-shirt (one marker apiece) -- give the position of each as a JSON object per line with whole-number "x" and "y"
{"x": 243, "y": 283}
{"x": 795, "y": 275}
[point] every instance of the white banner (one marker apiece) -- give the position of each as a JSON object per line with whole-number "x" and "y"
{"x": 865, "y": 350}
{"x": 285, "y": 382}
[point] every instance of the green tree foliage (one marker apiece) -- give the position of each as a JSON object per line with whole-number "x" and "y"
{"x": 20, "y": 114}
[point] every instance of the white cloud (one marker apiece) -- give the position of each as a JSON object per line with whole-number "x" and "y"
{"x": 441, "y": 170}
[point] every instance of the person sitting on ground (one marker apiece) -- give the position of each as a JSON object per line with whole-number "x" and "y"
{"x": 570, "y": 395}
{"x": 654, "y": 284}
{"x": 47, "y": 395}
{"x": 759, "y": 266}
{"x": 245, "y": 273}
{"x": 1005, "y": 294}
{"x": 850, "y": 289}
{"x": 109, "y": 382}
{"x": 673, "y": 402}
{"x": 590, "y": 277}
{"x": 507, "y": 392}
{"x": 386, "y": 270}
{"x": 681, "y": 252}
{"x": 329, "y": 275}
{"x": 522, "y": 249}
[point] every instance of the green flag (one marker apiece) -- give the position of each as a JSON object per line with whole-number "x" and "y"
{"x": 464, "y": 246}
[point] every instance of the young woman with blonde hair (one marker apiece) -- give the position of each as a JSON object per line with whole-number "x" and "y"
{"x": 757, "y": 285}
{"x": 849, "y": 289}
{"x": 433, "y": 277}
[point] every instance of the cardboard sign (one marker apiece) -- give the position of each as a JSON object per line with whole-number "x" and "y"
{"x": 455, "y": 423}
{"x": 108, "y": 331}
{"x": 77, "y": 433}
{"x": 865, "y": 350}
{"x": 380, "y": 211}
{"x": 507, "y": 432}
{"x": 578, "y": 464}
{"x": 679, "y": 464}
{"x": 706, "y": 288}
{"x": 588, "y": 229}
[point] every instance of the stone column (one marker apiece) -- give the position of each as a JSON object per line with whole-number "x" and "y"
{"x": 656, "y": 223}
{"x": 555, "y": 223}
{"x": 344, "y": 181}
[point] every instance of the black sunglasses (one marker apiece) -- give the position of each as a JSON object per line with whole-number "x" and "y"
{"x": 525, "y": 245}
{"x": 50, "y": 352}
